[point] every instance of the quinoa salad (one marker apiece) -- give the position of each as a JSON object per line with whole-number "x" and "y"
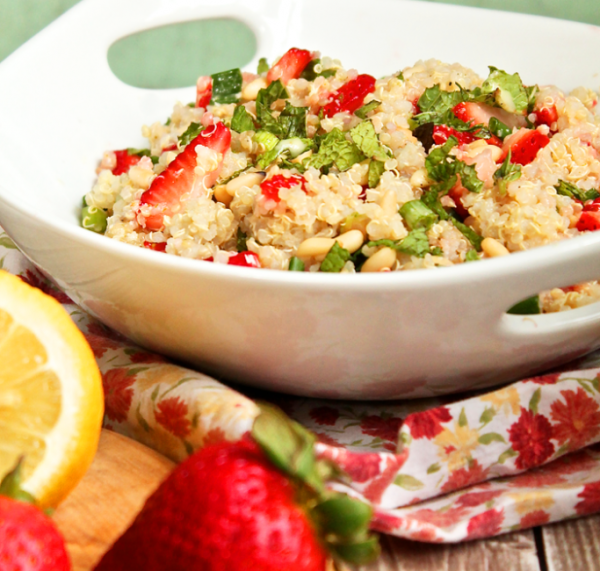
{"x": 308, "y": 166}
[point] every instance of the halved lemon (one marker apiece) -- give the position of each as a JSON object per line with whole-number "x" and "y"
{"x": 51, "y": 401}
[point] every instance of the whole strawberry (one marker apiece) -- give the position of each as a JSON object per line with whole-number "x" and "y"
{"x": 228, "y": 508}
{"x": 29, "y": 540}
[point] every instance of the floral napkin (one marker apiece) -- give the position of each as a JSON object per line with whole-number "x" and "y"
{"x": 436, "y": 471}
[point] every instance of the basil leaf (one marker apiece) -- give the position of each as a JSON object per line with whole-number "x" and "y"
{"x": 468, "y": 233}
{"x": 376, "y": 169}
{"x": 190, "y": 133}
{"x": 226, "y": 86}
{"x": 293, "y": 121}
{"x": 336, "y": 150}
{"x": 263, "y": 66}
{"x": 335, "y": 259}
{"x": 366, "y": 140}
{"x": 567, "y": 189}
{"x": 507, "y": 173}
{"x": 508, "y": 91}
{"x": 362, "y": 112}
{"x": 242, "y": 120}
{"x": 499, "y": 129}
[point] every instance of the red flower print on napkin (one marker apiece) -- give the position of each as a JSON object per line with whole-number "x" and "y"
{"x": 440, "y": 518}
{"x": 577, "y": 418}
{"x": 427, "y": 424}
{"x": 591, "y": 499}
{"x": 384, "y": 428}
{"x": 530, "y": 437}
{"x": 172, "y": 413}
{"x": 545, "y": 379}
{"x": 533, "y": 519}
{"x": 325, "y": 415}
{"x": 474, "y": 499}
{"x": 35, "y": 281}
{"x": 485, "y": 524}
{"x": 117, "y": 393}
{"x": 464, "y": 477}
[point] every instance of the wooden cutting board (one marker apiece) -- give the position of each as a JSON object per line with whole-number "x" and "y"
{"x": 124, "y": 473}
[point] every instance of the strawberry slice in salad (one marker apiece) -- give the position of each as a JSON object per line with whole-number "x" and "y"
{"x": 290, "y": 66}
{"x": 270, "y": 188}
{"x": 524, "y": 145}
{"x": 203, "y": 91}
{"x": 124, "y": 161}
{"x": 480, "y": 114}
{"x": 166, "y": 190}
{"x": 350, "y": 97}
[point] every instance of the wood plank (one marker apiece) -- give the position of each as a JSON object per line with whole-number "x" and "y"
{"x": 510, "y": 552}
{"x": 102, "y": 506}
{"x": 573, "y": 545}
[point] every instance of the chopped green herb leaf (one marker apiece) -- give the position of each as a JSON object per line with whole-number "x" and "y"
{"x": 366, "y": 140}
{"x": 508, "y": 91}
{"x": 440, "y": 166}
{"x": 336, "y": 150}
{"x": 190, "y": 133}
{"x": 531, "y": 91}
{"x": 263, "y": 66}
{"x": 235, "y": 175}
{"x": 138, "y": 152}
{"x": 431, "y": 199}
{"x": 309, "y": 72}
{"x": 290, "y": 147}
{"x": 567, "y": 189}
{"x": 241, "y": 240}
{"x": 437, "y": 251}
{"x": 266, "y": 139}
{"x": 468, "y": 233}
{"x": 335, "y": 259}
{"x": 292, "y": 121}
{"x": 469, "y": 178}
{"x": 226, "y": 86}
{"x": 265, "y": 98}
{"x": 168, "y": 121}
{"x": 435, "y": 100}
{"x": 191, "y": 104}
{"x": 400, "y": 76}
{"x": 376, "y": 169}
{"x": 507, "y": 173}
{"x": 365, "y": 109}
{"x": 471, "y": 256}
{"x": 296, "y": 265}
{"x": 242, "y": 120}
{"x": 529, "y": 306}
{"x": 418, "y": 215}
{"x": 415, "y": 244}
{"x": 499, "y": 129}
{"x": 286, "y": 164}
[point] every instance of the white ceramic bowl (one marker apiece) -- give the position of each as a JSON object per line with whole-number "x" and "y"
{"x": 406, "y": 334}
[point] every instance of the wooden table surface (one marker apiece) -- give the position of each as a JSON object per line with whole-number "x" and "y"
{"x": 124, "y": 473}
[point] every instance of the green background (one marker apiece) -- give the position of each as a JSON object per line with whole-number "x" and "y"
{"x": 225, "y": 43}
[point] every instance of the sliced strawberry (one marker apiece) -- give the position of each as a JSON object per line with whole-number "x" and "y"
{"x": 203, "y": 91}
{"x": 246, "y": 259}
{"x": 593, "y": 206}
{"x": 172, "y": 147}
{"x": 178, "y": 178}
{"x": 441, "y": 133}
{"x": 124, "y": 161}
{"x": 524, "y": 145}
{"x": 589, "y": 221}
{"x": 290, "y": 66}
{"x": 350, "y": 96}
{"x": 480, "y": 113}
{"x": 156, "y": 246}
{"x": 546, "y": 116}
{"x": 270, "y": 188}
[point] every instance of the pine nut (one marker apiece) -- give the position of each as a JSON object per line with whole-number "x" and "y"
{"x": 248, "y": 179}
{"x": 313, "y": 247}
{"x": 419, "y": 178}
{"x": 382, "y": 260}
{"x": 221, "y": 195}
{"x": 351, "y": 240}
{"x": 493, "y": 248}
{"x": 389, "y": 202}
{"x": 250, "y": 91}
{"x": 496, "y": 152}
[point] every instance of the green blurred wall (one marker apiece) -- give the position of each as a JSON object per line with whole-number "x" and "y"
{"x": 225, "y": 44}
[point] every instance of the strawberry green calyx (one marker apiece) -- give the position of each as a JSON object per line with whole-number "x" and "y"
{"x": 10, "y": 486}
{"x": 342, "y": 522}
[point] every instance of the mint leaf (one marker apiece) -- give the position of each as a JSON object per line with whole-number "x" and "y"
{"x": 508, "y": 91}
{"x": 529, "y": 306}
{"x": 567, "y": 189}
{"x": 265, "y": 98}
{"x": 296, "y": 265}
{"x": 415, "y": 244}
{"x": 366, "y": 140}
{"x": 291, "y": 148}
{"x": 440, "y": 166}
{"x": 335, "y": 259}
{"x": 468, "y": 177}
{"x": 138, "y": 152}
{"x": 499, "y": 129}
{"x": 241, "y": 120}
{"x": 431, "y": 199}
{"x": 190, "y": 133}
{"x": 336, "y": 150}
{"x": 507, "y": 173}
{"x": 365, "y": 109}
{"x": 226, "y": 86}
{"x": 376, "y": 169}
{"x": 471, "y": 256}
{"x": 292, "y": 121}
{"x": 531, "y": 91}
{"x": 263, "y": 66}
{"x": 400, "y": 76}
{"x": 436, "y": 100}
{"x": 241, "y": 239}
